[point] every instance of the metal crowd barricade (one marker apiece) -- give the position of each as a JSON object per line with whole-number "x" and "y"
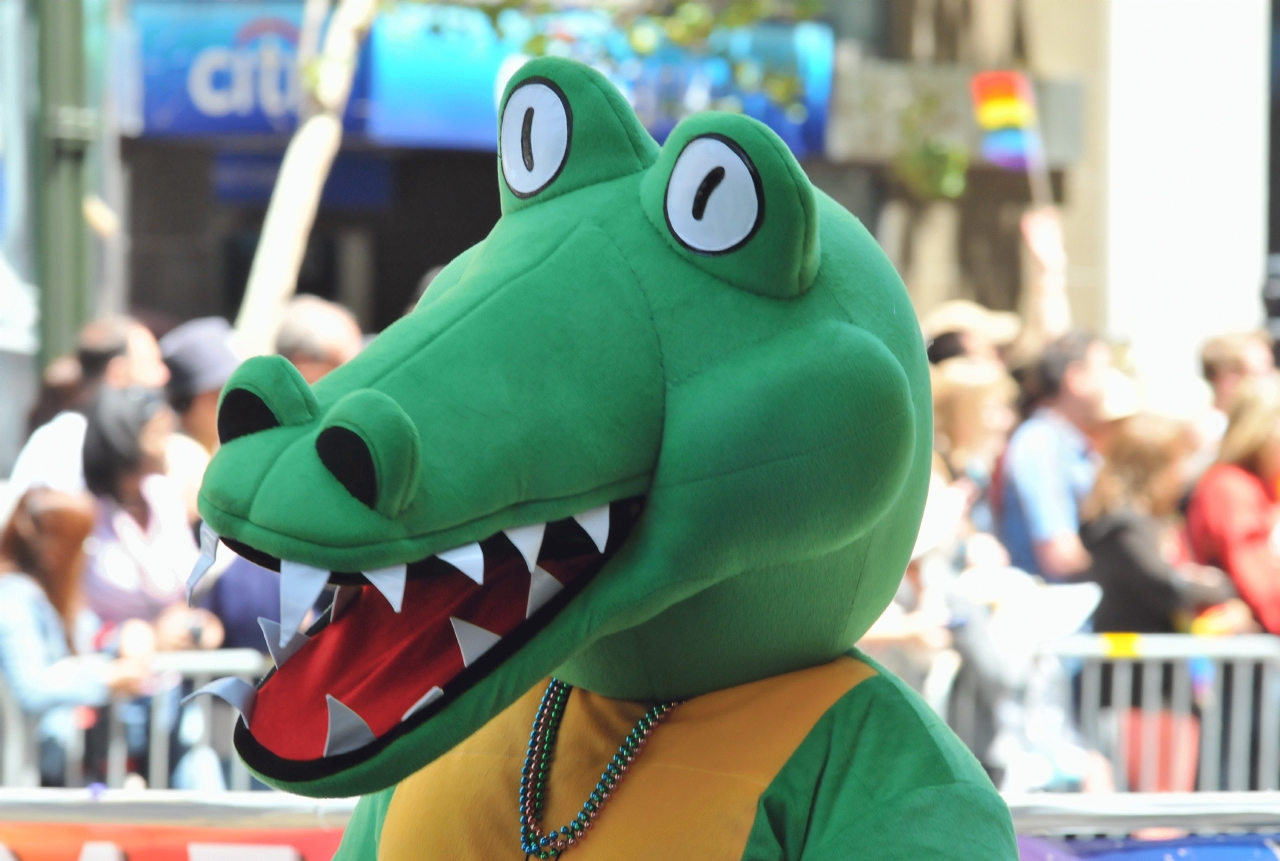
{"x": 1072, "y": 814}
{"x": 19, "y": 749}
{"x": 200, "y": 667}
{"x": 1220, "y": 694}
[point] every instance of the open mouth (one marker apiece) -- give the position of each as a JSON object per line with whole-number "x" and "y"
{"x": 397, "y": 644}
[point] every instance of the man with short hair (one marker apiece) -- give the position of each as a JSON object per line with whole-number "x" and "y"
{"x": 200, "y": 360}
{"x": 113, "y": 351}
{"x": 317, "y": 336}
{"x": 1050, "y": 465}
{"x": 1228, "y": 360}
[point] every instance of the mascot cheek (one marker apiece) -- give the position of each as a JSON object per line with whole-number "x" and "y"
{"x": 790, "y": 451}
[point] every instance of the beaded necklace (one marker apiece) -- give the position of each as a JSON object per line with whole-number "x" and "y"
{"x": 537, "y": 765}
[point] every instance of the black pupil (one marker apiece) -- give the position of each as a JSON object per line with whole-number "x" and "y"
{"x": 526, "y": 139}
{"x": 709, "y": 183}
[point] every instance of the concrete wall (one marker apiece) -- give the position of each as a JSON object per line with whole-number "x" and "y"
{"x": 1187, "y": 180}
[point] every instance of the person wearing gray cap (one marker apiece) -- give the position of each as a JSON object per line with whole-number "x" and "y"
{"x": 200, "y": 361}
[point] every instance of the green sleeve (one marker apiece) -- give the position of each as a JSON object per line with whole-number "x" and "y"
{"x": 360, "y": 840}
{"x": 881, "y": 778}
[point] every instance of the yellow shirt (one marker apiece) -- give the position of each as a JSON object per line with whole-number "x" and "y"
{"x": 692, "y": 792}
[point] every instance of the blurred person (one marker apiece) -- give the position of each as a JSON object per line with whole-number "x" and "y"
{"x": 973, "y": 417}
{"x": 55, "y": 653}
{"x": 59, "y": 390}
{"x": 1226, "y": 362}
{"x": 1121, "y": 400}
{"x": 1229, "y": 360}
{"x": 1233, "y": 512}
{"x": 200, "y": 359}
{"x": 114, "y": 352}
{"x": 1137, "y": 557}
{"x": 142, "y": 548}
{"x": 1049, "y": 466}
{"x": 317, "y": 336}
{"x": 964, "y": 328}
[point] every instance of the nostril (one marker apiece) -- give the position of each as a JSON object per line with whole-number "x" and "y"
{"x": 345, "y": 454}
{"x": 242, "y": 413}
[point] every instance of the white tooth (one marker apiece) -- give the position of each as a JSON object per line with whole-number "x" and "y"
{"x": 271, "y": 631}
{"x": 347, "y": 730}
{"x": 542, "y": 588}
{"x": 427, "y": 699}
{"x": 473, "y": 640}
{"x": 528, "y": 540}
{"x": 208, "y": 554}
{"x": 237, "y": 692}
{"x": 300, "y": 586}
{"x": 390, "y": 582}
{"x": 596, "y": 524}
{"x": 468, "y": 559}
{"x": 342, "y": 598}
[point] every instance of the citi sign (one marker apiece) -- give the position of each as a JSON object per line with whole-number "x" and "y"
{"x": 257, "y": 72}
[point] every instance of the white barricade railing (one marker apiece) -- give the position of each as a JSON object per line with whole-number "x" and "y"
{"x": 1079, "y": 814}
{"x": 1199, "y": 708}
{"x": 171, "y": 670}
{"x": 170, "y": 807}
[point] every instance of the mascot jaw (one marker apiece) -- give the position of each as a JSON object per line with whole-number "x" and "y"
{"x": 365, "y": 675}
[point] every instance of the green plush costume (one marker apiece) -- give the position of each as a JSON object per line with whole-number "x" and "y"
{"x": 664, "y": 436}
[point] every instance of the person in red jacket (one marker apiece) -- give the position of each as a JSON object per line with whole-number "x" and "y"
{"x": 1231, "y": 521}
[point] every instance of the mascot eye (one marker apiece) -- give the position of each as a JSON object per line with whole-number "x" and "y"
{"x": 714, "y": 200}
{"x": 534, "y": 138}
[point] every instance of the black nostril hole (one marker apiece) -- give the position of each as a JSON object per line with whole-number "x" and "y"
{"x": 242, "y": 413}
{"x": 346, "y": 455}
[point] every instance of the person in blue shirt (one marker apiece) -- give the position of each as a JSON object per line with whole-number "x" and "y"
{"x": 1050, "y": 464}
{"x": 55, "y": 654}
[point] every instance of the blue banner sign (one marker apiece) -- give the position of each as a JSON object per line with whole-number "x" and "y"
{"x": 223, "y": 69}
{"x": 430, "y": 75}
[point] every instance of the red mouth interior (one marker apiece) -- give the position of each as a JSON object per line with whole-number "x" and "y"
{"x": 379, "y": 663}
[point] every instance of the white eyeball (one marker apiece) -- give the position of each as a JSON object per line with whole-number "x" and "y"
{"x": 714, "y": 201}
{"x": 534, "y": 136}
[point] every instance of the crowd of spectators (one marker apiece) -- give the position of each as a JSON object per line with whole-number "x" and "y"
{"x": 99, "y": 532}
{"x": 1058, "y": 506}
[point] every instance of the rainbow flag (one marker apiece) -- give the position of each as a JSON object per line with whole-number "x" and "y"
{"x": 1004, "y": 106}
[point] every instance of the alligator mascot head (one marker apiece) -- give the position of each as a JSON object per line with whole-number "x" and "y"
{"x": 665, "y": 431}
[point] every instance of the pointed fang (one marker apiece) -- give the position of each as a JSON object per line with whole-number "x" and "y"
{"x": 473, "y": 640}
{"x": 528, "y": 540}
{"x": 390, "y": 582}
{"x": 468, "y": 559}
{"x": 427, "y": 699}
{"x": 347, "y": 730}
{"x": 542, "y": 588}
{"x": 300, "y": 586}
{"x": 271, "y": 631}
{"x": 208, "y": 554}
{"x": 596, "y": 524}
{"x": 239, "y": 693}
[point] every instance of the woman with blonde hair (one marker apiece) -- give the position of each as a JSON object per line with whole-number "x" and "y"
{"x": 1147, "y": 584}
{"x": 1233, "y": 510}
{"x": 973, "y": 417}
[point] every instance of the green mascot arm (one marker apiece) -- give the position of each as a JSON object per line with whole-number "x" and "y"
{"x": 360, "y": 840}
